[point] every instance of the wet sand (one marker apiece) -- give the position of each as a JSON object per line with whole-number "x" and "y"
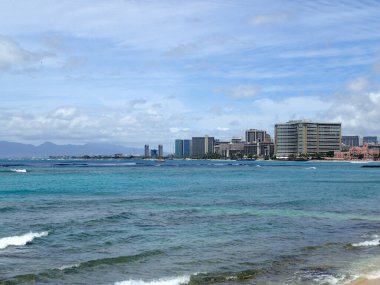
{"x": 364, "y": 281}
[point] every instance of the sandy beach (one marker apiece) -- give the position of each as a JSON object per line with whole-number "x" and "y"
{"x": 364, "y": 281}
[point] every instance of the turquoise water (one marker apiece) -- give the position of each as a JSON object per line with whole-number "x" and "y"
{"x": 187, "y": 222}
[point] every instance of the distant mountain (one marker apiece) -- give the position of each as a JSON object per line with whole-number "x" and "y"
{"x": 19, "y": 150}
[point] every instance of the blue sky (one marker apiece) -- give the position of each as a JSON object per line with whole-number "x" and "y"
{"x": 136, "y": 72}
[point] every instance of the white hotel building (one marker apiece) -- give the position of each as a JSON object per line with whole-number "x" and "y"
{"x": 304, "y": 137}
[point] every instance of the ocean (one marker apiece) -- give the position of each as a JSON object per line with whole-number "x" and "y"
{"x": 126, "y": 222}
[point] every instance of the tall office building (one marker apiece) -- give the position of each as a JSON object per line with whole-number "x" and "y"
{"x": 146, "y": 150}
{"x": 202, "y": 146}
{"x": 178, "y": 148}
{"x": 350, "y": 140}
{"x": 304, "y": 137}
{"x": 153, "y": 153}
{"x": 255, "y": 136}
{"x": 182, "y": 148}
{"x": 160, "y": 150}
{"x": 186, "y": 148}
{"x": 370, "y": 140}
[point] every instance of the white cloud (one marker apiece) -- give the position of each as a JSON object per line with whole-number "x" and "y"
{"x": 358, "y": 85}
{"x": 14, "y": 57}
{"x": 359, "y": 114}
{"x": 176, "y": 130}
{"x": 240, "y": 91}
{"x": 271, "y": 18}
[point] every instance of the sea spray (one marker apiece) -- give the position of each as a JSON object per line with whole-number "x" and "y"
{"x": 20, "y": 240}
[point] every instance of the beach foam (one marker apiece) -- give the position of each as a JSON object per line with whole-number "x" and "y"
{"x": 18, "y": 170}
{"x": 20, "y": 240}
{"x": 162, "y": 281}
{"x": 374, "y": 242}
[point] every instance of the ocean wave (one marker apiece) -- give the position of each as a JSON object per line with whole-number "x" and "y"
{"x": 367, "y": 243}
{"x": 311, "y": 167}
{"x": 19, "y": 170}
{"x": 162, "y": 281}
{"x": 20, "y": 240}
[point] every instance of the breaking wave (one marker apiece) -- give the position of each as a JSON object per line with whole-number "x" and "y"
{"x": 20, "y": 240}
{"x": 19, "y": 170}
{"x": 162, "y": 281}
{"x": 367, "y": 243}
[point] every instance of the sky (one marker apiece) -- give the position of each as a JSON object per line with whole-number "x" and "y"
{"x": 135, "y": 72}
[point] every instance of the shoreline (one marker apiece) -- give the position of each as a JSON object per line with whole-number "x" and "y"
{"x": 365, "y": 281}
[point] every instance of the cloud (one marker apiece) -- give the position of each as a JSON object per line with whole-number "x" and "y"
{"x": 14, "y": 57}
{"x": 358, "y": 85}
{"x": 240, "y": 91}
{"x": 175, "y": 130}
{"x": 182, "y": 50}
{"x": 11, "y": 54}
{"x": 359, "y": 114}
{"x": 270, "y": 18}
{"x": 223, "y": 129}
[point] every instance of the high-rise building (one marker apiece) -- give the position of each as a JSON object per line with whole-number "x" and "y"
{"x": 186, "y": 148}
{"x": 146, "y": 150}
{"x": 304, "y": 137}
{"x": 202, "y": 146}
{"x": 350, "y": 140}
{"x": 178, "y": 148}
{"x": 154, "y": 153}
{"x": 370, "y": 140}
{"x": 254, "y": 136}
{"x": 182, "y": 148}
{"x": 160, "y": 150}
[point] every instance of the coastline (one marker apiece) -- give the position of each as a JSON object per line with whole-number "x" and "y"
{"x": 366, "y": 281}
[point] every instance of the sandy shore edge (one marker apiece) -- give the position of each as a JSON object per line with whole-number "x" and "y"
{"x": 365, "y": 281}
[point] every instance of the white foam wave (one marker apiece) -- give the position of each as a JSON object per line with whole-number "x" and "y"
{"x": 312, "y": 167}
{"x": 20, "y": 240}
{"x": 327, "y": 279}
{"x": 68, "y": 266}
{"x": 163, "y": 281}
{"x": 18, "y": 170}
{"x": 374, "y": 242}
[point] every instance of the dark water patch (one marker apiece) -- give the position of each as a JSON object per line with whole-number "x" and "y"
{"x": 318, "y": 247}
{"x": 116, "y": 260}
{"x": 7, "y": 209}
{"x": 323, "y": 274}
{"x": 59, "y": 273}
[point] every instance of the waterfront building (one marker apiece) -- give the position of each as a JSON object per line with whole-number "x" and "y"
{"x": 182, "y": 148}
{"x": 255, "y": 136}
{"x": 258, "y": 144}
{"x": 296, "y": 138}
{"x": 160, "y": 150}
{"x": 146, "y": 150}
{"x": 370, "y": 140}
{"x": 154, "y": 153}
{"x": 230, "y": 149}
{"x": 366, "y": 152}
{"x": 178, "y": 151}
{"x": 350, "y": 140}
{"x": 262, "y": 149}
{"x": 186, "y": 148}
{"x": 202, "y": 146}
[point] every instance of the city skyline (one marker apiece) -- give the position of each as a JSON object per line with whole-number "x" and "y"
{"x": 136, "y": 72}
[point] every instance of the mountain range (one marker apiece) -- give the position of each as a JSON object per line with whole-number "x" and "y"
{"x": 20, "y": 150}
